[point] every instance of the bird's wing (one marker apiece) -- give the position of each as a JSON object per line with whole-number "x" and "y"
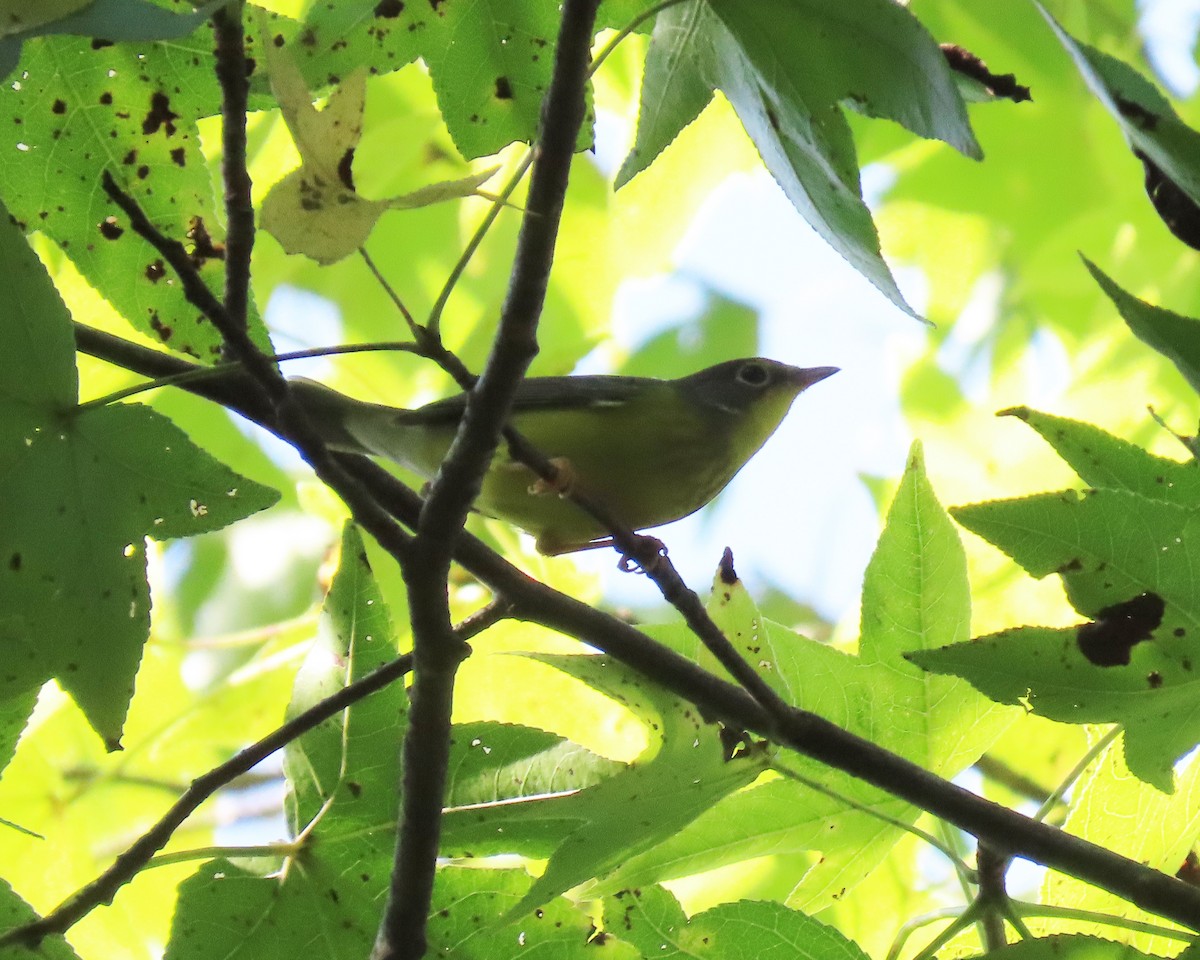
{"x": 540, "y": 393}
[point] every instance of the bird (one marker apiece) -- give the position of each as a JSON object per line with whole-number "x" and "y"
{"x": 651, "y": 451}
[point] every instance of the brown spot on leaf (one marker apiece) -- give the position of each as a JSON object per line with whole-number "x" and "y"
{"x": 14, "y": 562}
{"x": 59, "y": 107}
{"x": 203, "y": 246}
{"x": 110, "y": 229}
{"x": 155, "y": 271}
{"x": 725, "y": 568}
{"x": 389, "y": 9}
{"x": 160, "y": 115}
{"x": 98, "y": 43}
{"x": 179, "y": 157}
{"x": 344, "y": 171}
{"x": 1002, "y": 85}
{"x": 1136, "y": 114}
{"x": 1154, "y": 678}
{"x": 1108, "y": 640}
{"x": 504, "y": 90}
{"x": 1172, "y": 204}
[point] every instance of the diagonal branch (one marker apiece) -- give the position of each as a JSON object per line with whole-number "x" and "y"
{"x": 128, "y": 864}
{"x": 1007, "y": 832}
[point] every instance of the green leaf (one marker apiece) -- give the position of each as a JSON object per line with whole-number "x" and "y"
{"x": 1154, "y": 697}
{"x": 343, "y": 800}
{"x": 1173, "y": 335}
{"x": 14, "y": 715}
{"x": 674, "y": 89}
{"x": 347, "y": 770}
{"x": 1116, "y": 810}
{"x": 515, "y": 789}
{"x": 130, "y": 110}
{"x": 1105, "y": 461}
{"x": 679, "y": 777}
{"x": 502, "y": 762}
{"x": 80, "y": 489}
{"x": 13, "y": 912}
{"x": 652, "y": 920}
{"x": 787, "y": 67}
{"x": 1145, "y": 116}
{"x": 22, "y": 16}
{"x": 490, "y": 61}
{"x": 229, "y": 911}
{"x": 1116, "y": 552}
{"x": 1108, "y": 546}
{"x": 112, "y": 20}
{"x": 872, "y": 54}
{"x": 1066, "y": 948}
{"x": 465, "y": 899}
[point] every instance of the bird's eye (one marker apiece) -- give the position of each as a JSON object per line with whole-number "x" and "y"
{"x": 753, "y": 374}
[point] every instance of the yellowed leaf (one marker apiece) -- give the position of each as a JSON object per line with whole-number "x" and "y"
{"x": 315, "y": 209}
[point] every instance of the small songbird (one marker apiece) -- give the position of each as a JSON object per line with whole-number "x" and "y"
{"x": 651, "y": 451}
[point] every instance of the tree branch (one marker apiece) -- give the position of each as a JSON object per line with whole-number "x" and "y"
{"x": 1005, "y": 831}
{"x": 402, "y": 931}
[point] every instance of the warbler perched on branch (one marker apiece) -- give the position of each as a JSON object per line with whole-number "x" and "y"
{"x": 651, "y": 451}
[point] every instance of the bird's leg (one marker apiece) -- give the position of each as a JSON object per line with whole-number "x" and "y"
{"x": 645, "y": 556}
{"x": 563, "y": 483}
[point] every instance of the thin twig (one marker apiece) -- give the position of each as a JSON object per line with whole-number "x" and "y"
{"x": 434, "y": 323}
{"x": 428, "y": 342}
{"x": 818, "y": 787}
{"x": 992, "y": 897}
{"x": 997, "y": 770}
{"x": 230, "y": 56}
{"x": 128, "y": 864}
{"x": 224, "y": 369}
{"x": 1076, "y": 772}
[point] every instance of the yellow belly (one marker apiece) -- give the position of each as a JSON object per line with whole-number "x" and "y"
{"x": 648, "y": 473}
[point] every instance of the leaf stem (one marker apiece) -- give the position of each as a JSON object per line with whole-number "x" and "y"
{"x": 1077, "y": 771}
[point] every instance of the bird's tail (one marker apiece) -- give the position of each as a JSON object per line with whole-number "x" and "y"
{"x": 329, "y": 411}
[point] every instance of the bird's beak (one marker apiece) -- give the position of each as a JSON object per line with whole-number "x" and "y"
{"x": 807, "y": 376}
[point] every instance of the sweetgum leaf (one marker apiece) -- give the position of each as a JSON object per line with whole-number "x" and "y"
{"x": 347, "y": 770}
{"x": 13, "y": 913}
{"x": 80, "y": 490}
{"x": 343, "y": 779}
{"x": 1126, "y": 553}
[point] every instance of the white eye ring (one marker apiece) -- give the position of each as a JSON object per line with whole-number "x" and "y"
{"x": 753, "y": 374}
